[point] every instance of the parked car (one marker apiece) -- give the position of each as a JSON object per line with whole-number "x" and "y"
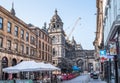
{"x": 95, "y": 76}
{"x": 91, "y": 74}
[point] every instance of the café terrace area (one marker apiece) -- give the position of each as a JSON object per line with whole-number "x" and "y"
{"x": 29, "y": 71}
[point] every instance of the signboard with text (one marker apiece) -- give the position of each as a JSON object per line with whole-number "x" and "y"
{"x": 112, "y": 47}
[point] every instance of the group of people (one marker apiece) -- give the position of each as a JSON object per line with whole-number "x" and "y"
{"x": 53, "y": 78}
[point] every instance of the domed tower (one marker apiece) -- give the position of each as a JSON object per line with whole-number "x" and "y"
{"x": 57, "y": 34}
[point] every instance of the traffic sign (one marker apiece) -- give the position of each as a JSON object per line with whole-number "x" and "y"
{"x": 103, "y": 53}
{"x": 102, "y": 59}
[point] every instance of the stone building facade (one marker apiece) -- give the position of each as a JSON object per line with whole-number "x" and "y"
{"x": 57, "y": 34}
{"x": 61, "y": 47}
{"x": 98, "y": 42}
{"x": 20, "y": 41}
{"x": 71, "y": 46}
{"x": 99, "y": 35}
{"x": 84, "y": 59}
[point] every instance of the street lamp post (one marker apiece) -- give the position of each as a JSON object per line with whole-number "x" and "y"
{"x": 85, "y": 65}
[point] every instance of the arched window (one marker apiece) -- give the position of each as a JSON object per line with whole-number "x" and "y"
{"x": 4, "y": 62}
{"x": 54, "y": 26}
{"x": 57, "y": 26}
{"x": 14, "y": 62}
{"x": 54, "y": 52}
{"x": 53, "y": 39}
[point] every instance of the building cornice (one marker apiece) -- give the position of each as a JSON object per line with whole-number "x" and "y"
{"x": 6, "y": 12}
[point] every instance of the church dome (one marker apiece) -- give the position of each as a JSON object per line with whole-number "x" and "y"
{"x": 56, "y": 18}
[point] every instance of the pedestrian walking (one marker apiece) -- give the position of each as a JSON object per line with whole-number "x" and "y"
{"x": 54, "y": 79}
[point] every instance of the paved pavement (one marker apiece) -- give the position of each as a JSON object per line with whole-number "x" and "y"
{"x": 79, "y": 79}
{"x": 96, "y": 81}
{"x": 84, "y": 79}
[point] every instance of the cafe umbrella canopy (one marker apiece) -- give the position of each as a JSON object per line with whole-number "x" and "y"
{"x": 22, "y": 66}
{"x": 11, "y": 70}
{"x": 25, "y": 66}
{"x": 48, "y": 66}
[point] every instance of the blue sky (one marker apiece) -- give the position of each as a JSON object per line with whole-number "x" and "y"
{"x": 39, "y": 11}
